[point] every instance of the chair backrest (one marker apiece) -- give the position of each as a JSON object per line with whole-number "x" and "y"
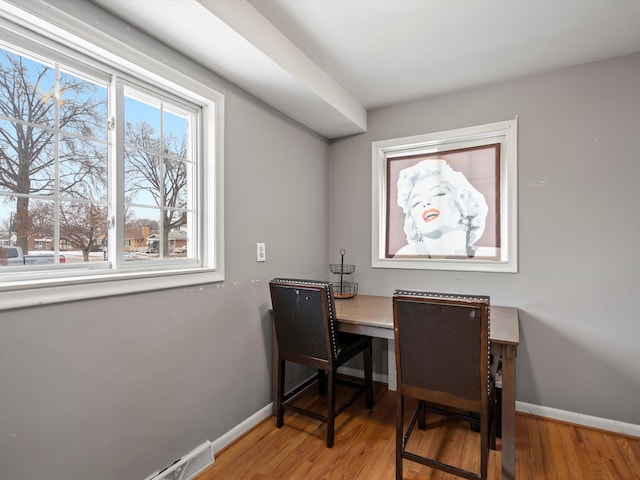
{"x": 442, "y": 347}
{"x": 304, "y": 318}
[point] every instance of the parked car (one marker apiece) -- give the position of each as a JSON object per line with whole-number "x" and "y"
{"x": 12, "y": 255}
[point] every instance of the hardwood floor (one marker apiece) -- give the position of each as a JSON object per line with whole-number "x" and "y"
{"x": 365, "y": 449}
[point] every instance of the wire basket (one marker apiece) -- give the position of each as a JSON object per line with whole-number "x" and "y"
{"x": 344, "y": 289}
{"x": 341, "y": 268}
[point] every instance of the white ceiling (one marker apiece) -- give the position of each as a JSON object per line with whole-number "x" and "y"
{"x": 325, "y": 62}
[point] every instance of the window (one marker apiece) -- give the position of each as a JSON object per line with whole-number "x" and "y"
{"x": 159, "y": 165}
{"x": 108, "y": 172}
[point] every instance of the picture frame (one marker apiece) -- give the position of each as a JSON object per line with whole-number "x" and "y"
{"x": 447, "y": 200}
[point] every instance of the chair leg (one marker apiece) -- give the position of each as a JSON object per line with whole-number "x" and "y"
{"x": 493, "y": 423}
{"x": 422, "y": 415}
{"x": 498, "y": 396}
{"x": 280, "y": 393}
{"x": 399, "y": 434}
{"x": 331, "y": 406}
{"x": 368, "y": 376}
{"x": 322, "y": 382}
{"x": 484, "y": 446}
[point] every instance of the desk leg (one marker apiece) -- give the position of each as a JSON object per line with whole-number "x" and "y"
{"x": 274, "y": 368}
{"x": 508, "y": 412}
{"x": 392, "y": 379}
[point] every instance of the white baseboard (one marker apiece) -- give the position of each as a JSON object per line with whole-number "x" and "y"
{"x": 579, "y": 419}
{"x": 239, "y": 430}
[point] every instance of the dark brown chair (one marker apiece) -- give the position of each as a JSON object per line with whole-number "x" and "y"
{"x": 306, "y": 333}
{"x": 442, "y": 359}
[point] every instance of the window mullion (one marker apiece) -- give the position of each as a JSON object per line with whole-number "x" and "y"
{"x": 116, "y": 172}
{"x": 161, "y": 185}
{"x": 56, "y": 149}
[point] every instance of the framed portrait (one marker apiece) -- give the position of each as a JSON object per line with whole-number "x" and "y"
{"x": 447, "y": 200}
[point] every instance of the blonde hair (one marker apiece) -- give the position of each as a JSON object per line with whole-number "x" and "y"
{"x": 471, "y": 203}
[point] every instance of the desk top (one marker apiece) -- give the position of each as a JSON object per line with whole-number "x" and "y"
{"x": 377, "y": 312}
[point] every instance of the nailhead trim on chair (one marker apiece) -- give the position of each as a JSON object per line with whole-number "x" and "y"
{"x": 294, "y": 281}
{"x": 455, "y": 296}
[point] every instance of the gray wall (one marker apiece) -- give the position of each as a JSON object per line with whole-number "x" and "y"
{"x": 578, "y": 169}
{"x": 117, "y": 388}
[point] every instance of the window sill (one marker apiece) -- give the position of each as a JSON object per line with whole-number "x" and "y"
{"x": 99, "y": 286}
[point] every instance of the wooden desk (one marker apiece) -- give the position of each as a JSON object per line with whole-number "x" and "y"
{"x": 373, "y": 316}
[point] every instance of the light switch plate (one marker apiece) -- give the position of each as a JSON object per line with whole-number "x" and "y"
{"x": 261, "y": 252}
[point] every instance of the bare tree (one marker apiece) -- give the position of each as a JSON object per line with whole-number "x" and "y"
{"x": 29, "y": 155}
{"x": 81, "y": 224}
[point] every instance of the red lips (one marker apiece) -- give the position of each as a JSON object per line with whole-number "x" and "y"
{"x": 430, "y": 214}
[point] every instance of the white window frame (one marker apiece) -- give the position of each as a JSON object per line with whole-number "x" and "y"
{"x": 40, "y": 287}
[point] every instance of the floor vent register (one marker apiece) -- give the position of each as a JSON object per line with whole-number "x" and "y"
{"x": 187, "y": 467}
